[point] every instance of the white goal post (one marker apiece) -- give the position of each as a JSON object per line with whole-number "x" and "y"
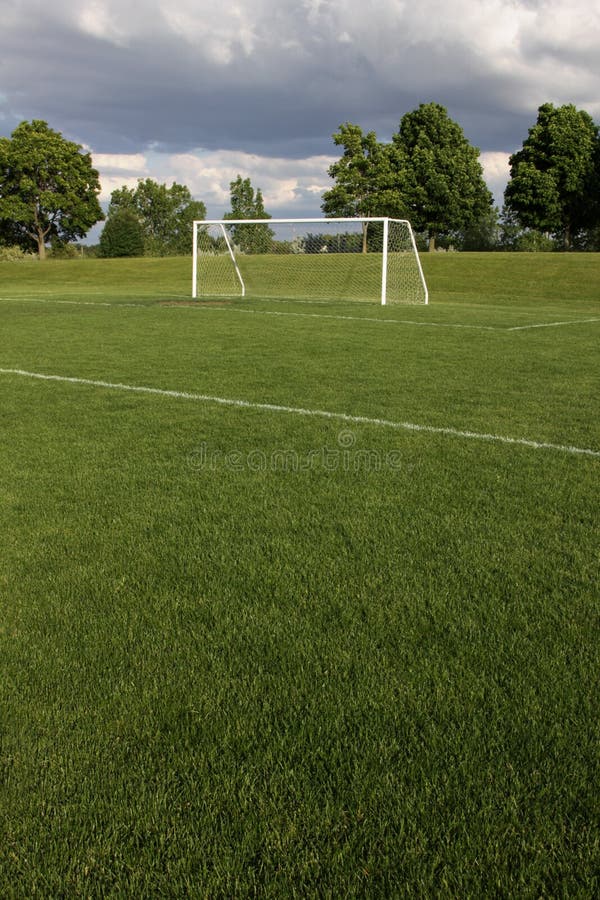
{"x": 373, "y": 258}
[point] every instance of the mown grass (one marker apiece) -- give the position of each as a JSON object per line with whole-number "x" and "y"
{"x": 248, "y": 653}
{"x": 569, "y": 281}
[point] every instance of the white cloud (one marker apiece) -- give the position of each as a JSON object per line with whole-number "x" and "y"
{"x": 117, "y": 170}
{"x": 97, "y": 19}
{"x": 286, "y": 184}
{"x": 132, "y": 162}
{"x": 110, "y": 183}
{"x": 496, "y": 172}
{"x": 289, "y": 186}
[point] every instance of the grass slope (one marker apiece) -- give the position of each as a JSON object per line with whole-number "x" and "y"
{"x": 250, "y": 653}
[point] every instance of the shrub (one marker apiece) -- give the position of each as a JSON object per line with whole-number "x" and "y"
{"x": 14, "y": 254}
{"x": 122, "y": 235}
{"x": 63, "y": 250}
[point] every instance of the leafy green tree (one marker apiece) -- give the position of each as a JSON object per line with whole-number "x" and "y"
{"x": 588, "y": 240}
{"x": 48, "y": 188}
{"x": 166, "y": 215}
{"x": 366, "y": 181}
{"x": 122, "y": 234}
{"x": 248, "y": 204}
{"x": 442, "y": 179}
{"x": 513, "y": 236}
{"x": 11, "y": 235}
{"x": 555, "y": 178}
{"x": 482, "y": 234}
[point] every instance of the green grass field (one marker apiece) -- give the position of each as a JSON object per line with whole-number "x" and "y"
{"x": 313, "y": 614}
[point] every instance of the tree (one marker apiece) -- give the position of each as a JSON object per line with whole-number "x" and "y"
{"x": 366, "y": 182}
{"x": 482, "y": 234}
{"x": 513, "y": 236}
{"x": 442, "y": 179}
{"x": 246, "y": 204}
{"x": 555, "y": 178}
{"x": 166, "y": 215}
{"x": 122, "y": 235}
{"x": 48, "y": 188}
{"x": 11, "y": 235}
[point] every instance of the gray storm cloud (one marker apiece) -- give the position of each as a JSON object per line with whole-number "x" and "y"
{"x": 271, "y": 80}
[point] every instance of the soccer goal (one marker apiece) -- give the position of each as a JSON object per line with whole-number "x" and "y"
{"x": 308, "y": 259}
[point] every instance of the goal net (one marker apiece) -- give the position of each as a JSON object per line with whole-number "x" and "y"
{"x": 307, "y": 259}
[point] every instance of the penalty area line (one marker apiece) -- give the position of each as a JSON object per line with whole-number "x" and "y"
{"x": 311, "y": 413}
{"x": 116, "y": 305}
{"x": 198, "y": 306}
{"x": 347, "y": 318}
{"x": 551, "y": 324}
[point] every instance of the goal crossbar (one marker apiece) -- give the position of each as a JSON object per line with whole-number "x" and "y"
{"x": 306, "y": 258}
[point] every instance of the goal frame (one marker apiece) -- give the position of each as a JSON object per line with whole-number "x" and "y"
{"x": 385, "y": 220}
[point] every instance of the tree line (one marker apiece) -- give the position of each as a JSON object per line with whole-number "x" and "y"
{"x": 431, "y": 175}
{"x": 428, "y": 173}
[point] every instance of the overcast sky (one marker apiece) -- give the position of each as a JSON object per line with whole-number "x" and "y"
{"x": 197, "y": 91}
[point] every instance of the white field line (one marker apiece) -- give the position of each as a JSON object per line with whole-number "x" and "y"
{"x": 313, "y": 413}
{"x": 255, "y": 312}
{"x": 73, "y": 302}
{"x": 552, "y": 324}
{"x": 268, "y": 312}
{"x": 271, "y": 312}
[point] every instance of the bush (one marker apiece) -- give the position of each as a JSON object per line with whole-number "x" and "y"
{"x": 14, "y": 254}
{"x": 534, "y": 242}
{"x": 122, "y": 235}
{"x": 63, "y": 250}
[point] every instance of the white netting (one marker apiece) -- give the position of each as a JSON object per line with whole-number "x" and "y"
{"x": 345, "y": 259}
